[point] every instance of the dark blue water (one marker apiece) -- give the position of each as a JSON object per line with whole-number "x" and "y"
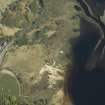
{"x": 88, "y": 88}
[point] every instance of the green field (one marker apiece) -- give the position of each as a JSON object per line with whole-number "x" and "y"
{"x": 9, "y": 84}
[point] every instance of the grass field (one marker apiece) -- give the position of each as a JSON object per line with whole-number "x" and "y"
{"x": 9, "y": 83}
